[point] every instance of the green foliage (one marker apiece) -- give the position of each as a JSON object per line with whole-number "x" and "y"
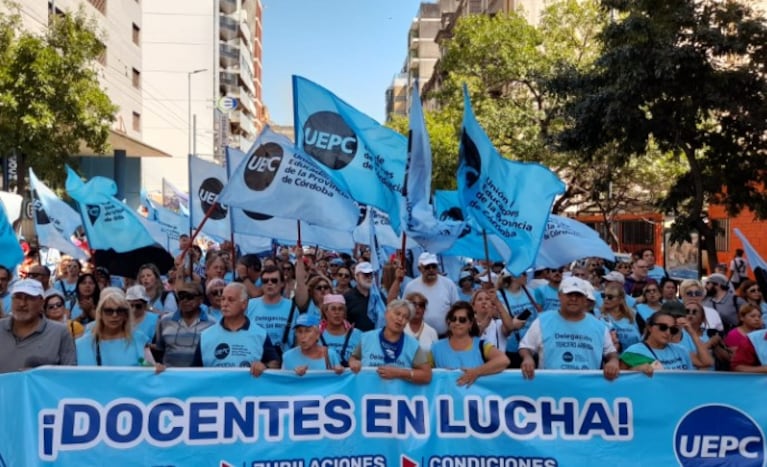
{"x": 688, "y": 77}
{"x": 50, "y": 97}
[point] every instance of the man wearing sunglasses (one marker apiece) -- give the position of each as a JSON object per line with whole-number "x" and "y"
{"x": 570, "y": 338}
{"x": 178, "y": 334}
{"x": 27, "y": 338}
{"x": 272, "y": 311}
{"x": 358, "y": 298}
{"x": 440, "y": 292}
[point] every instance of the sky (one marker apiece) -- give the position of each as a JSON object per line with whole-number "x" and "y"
{"x": 354, "y": 48}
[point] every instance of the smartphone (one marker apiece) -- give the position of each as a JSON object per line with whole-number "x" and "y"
{"x": 711, "y": 333}
{"x": 524, "y": 315}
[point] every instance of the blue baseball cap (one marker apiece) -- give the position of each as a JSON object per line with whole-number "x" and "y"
{"x": 307, "y": 320}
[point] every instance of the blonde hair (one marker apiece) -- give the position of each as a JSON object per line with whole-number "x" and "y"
{"x": 623, "y": 308}
{"x": 687, "y": 284}
{"x": 115, "y": 296}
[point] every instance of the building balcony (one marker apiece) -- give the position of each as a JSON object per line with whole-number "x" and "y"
{"x": 228, "y": 55}
{"x": 227, "y": 80}
{"x": 228, "y": 27}
{"x": 227, "y": 6}
{"x": 247, "y": 103}
{"x": 246, "y": 34}
{"x": 248, "y": 126}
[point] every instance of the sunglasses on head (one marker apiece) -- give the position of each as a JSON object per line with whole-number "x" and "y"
{"x": 186, "y": 296}
{"x": 460, "y": 319}
{"x": 694, "y": 293}
{"x": 663, "y": 327}
{"x": 270, "y": 280}
{"x": 114, "y": 311}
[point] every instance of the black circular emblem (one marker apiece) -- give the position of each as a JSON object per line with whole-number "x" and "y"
{"x": 329, "y": 140}
{"x": 209, "y": 190}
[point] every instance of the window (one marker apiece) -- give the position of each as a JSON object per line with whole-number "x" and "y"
{"x": 637, "y": 233}
{"x": 722, "y": 233}
{"x": 136, "y": 121}
{"x": 136, "y": 79}
{"x": 136, "y": 34}
{"x": 100, "y": 5}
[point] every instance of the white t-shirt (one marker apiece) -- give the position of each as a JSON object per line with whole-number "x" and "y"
{"x": 495, "y": 335}
{"x": 426, "y": 338}
{"x": 441, "y": 295}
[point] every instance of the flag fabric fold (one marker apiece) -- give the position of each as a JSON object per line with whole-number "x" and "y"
{"x": 173, "y": 198}
{"x": 364, "y": 158}
{"x": 164, "y": 225}
{"x": 55, "y": 220}
{"x": 566, "y": 240}
{"x": 755, "y": 261}
{"x": 206, "y": 181}
{"x": 108, "y": 223}
{"x": 509, "y": 199}
{"x": 277, "y": 179}
{"x": 11, "y": 254}
{"x": 433, "y": 234}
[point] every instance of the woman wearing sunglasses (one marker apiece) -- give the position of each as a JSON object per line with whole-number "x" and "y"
{"x": 417, "y": 327}
{"x": 651, "y": 302}
{"x": 692, "y": 291}
{"x": 749, "y": 292}
{"x": 619, "y": 317}
{"x": 214, "y": 290}
{"x": 310, "y": 297}
{"x": 711, "y": 338}
{"x": 112, "y": 341}
{"x": 343, "y": 279}
{"x": 464, "y": 350}
{"x": 55, "y": 308}
{"x": 657, "y": 352}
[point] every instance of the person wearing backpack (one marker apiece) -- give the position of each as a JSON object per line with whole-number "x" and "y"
{"x": 738, "y": 270}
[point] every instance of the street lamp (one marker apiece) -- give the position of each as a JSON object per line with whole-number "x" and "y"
{"x": 189, "y": 105}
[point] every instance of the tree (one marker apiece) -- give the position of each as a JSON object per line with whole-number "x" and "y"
{"x": 686, "y": 76}
{"x": 50, "y": 97}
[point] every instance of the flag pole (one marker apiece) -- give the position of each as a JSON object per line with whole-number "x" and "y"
{"x": 487, "y": 254}
{"x": 199, "y": 228}
{"x": 298, "y": 239}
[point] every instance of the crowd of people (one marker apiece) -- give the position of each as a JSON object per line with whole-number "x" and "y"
{"x": 307, "y": 309}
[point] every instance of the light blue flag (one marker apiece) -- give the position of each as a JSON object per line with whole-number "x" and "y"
{"x": 384, "y": 233}
{"x": 433, "y": 234}
{"x": 376, "y": 305}
{"x": 164, "y": 225}
{"x": 55, "y": 220}
{"x": 11, "y": 254}
{"x": 206, "y": 180}
{"x": 364, "y": 158}
{"x": 470, "y": 243}
{"x": 264, "y": 226}
{"x": 108, "y": 223}
{"x": 276, "y": 178}
{"x": 566, "y": 240}
{"x": 506, "y": 198}
{"x": 755, "y": 261}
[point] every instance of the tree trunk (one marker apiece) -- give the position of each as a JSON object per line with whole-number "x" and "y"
{"x": 707, "y": 243}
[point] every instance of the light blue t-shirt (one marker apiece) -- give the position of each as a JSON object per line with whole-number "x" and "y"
{"x": 518, "y": 303}
{"x": 571, "y": 345}
{"x": 148, "y": 325}
{"x": 220, "y": 347}
{"x": 274, "y": 319}
{"x": 672, "y": 357}
{"x": 444, "y": 356}
{"x": 656, "y": 273}
{"x": 759, "y": 342}
{"x": 547, "y": 297}
{"x": 294, "y": 358}
{"x": 113, "y": 352}
{"x": 644, "y": 311}
{"x": 628, "y": 332}
{"x": 336, "y": 343}
{"x": 373, "y": 353}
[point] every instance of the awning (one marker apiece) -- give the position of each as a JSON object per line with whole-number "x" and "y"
{"x": 132, "y": 147}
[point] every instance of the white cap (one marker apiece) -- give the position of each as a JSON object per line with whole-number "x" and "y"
{"x": 364, "y": 267}
{"x": 614, "y": 276}
{"x": 427, "y": 258}
{"x": 29, "y": 287}
{"x": 575, "y": 284}
{"x": 137, "y": 292}
{"x": 484, "y": 278}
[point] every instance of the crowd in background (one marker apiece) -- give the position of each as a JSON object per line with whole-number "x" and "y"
{"x": 306, "y": 309}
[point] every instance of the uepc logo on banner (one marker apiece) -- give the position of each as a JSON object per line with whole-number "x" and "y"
{"x": 718, "y": 435}
{"x": 329, "y": 140}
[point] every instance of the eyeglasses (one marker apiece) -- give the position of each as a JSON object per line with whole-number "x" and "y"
{"x": 53, "y": 306}
{"x": 270, "y": 280}
{"x": 217, "y": 292}
{"x": 694, "y": 293}
{"x": 752, "y": 290}
{"x": 187, "y": 296}
{"x": 691, "y": 311}
{"x": 663, "y": 327}
{"x": 114, "y": 311}
{"x": 609, "y": 296}
{"x": 460, "y": 319}
{"x": 343, "y": 275}
{"x": 322, "y": 287}
{"x": 365, "y": 274}
{"x": 138, "y": 306}
{"x": 420, "y": 304}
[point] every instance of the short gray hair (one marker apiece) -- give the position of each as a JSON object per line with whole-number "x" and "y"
{"x": 395, "y": 304}
{"x": 241, "y": 288}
